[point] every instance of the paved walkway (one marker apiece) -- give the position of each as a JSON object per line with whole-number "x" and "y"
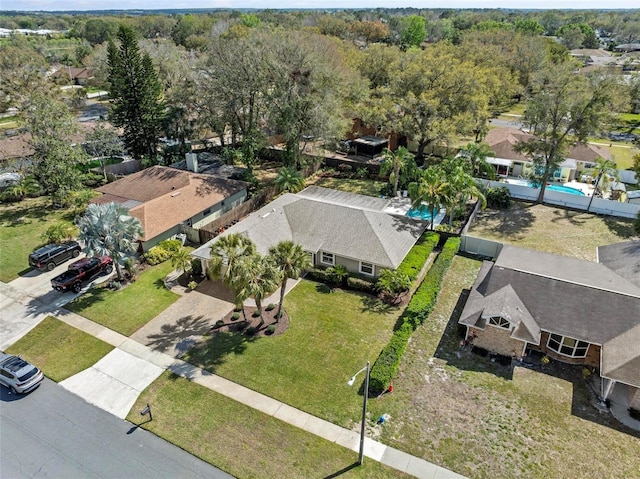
{"x": 374, "y": 450}
{"x": 115, "y": 382}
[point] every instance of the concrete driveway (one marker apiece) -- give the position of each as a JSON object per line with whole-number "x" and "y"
{"x": 183, "y": 324}
{"x": 115, "y": 382}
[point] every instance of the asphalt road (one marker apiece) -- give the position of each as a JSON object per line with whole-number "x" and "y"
{"x": 54, "y": 433}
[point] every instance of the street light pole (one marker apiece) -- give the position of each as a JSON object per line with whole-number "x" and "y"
{"x": 364, "y": 409}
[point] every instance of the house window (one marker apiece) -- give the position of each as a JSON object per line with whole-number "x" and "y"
{"x": 328, "y": 258}
{"x": 207, "y": 212}
{"x": 567, "y": 346}
{"x": 499, "y": 322}
{"x": 366, "y": 268}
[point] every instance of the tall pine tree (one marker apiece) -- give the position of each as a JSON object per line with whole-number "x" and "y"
{"x": 136, "y": 92}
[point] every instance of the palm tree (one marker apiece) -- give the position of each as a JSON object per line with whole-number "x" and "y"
{"x": 59, "y": 232}
{"x": 461, "y": 185}
{"x": 289, "y": 179}
{"x": 477, "y": 154}
{"x": 603, "y": 167}
{"x": 226, "y": 253}
{"x": 25, "y": 187}
{"x": 394, "y": 163}
{"x": 430, "y": 191}
{"x": 258, "y": 277}
{"x": 108, "y": 229}
{"x": 181, "y": 259}
{"x": 291, "y": 260}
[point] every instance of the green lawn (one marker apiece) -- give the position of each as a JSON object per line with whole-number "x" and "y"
{"x": 21, "y": 225}
{"x": 463, "y": 412}
{"x": 130, "y": 308}
{"x": 243, "y": 441}
{"x": 359, "y": 186}
{"x": 60, "y": 350}
{"x": 623, "y": 156}
{"x": 331, "y": 336}
{"x": 551, "y": 229}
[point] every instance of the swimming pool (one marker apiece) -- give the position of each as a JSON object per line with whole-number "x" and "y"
{"x": 425, "y": 214}
{"x": 550, "y": 186}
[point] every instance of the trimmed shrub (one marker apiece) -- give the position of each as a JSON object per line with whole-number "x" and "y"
{"x": 359, "y": 284}
{"x": 417, "y": 311}
{"x": 270, "y": 329}
{"x": 171, "y": 245}
{"x": 270, "y": 306}
{"x": 418, "y": 255}
{"x": 235, "y": 316}
{"x": 388, "y": 361}
{"x": 157, "y": 255}
{"x": 250, "y": 331}
{"x": 319, "y": 275}
{"x": 196, "y": 267}
{"x": 498, "y": 198}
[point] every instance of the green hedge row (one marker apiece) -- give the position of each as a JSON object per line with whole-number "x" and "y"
{"x": 417, "y": 311}
{"x": 353, "y": 282}
{"x": 418, "y": 255}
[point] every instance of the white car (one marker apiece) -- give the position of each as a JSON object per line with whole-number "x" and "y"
{"x": 18, "y": 375}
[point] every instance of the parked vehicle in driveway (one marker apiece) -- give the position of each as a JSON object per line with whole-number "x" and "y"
{"x": 18, "y": 375}
{"x": 51, "y": 255}
{"x": 81, "y": 271}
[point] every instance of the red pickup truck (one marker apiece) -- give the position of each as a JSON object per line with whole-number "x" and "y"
{"x": 81, "y": 271}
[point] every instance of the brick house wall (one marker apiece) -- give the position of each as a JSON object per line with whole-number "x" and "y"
{"x": 592, "y": 359}
{"x": 497, "y": 340}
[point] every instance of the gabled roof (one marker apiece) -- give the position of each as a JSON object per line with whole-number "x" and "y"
{"x": 503, "y": 142}
{"x": 162, "y": 197}
{"x": 323, "y": 220}
{"x": 623, "y": 259}
{"x": 583, "y": 300}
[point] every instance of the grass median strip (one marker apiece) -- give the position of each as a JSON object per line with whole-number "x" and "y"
{"x": 128, "y": 309}
{"x": 60, "y": 350}
{"x": 243, "y": 441}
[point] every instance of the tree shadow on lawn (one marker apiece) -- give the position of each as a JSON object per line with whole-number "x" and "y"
{"x": 584, "y": 402}
{"x": 373, "y": 304}
{"x": 621, "y": 227}
{"x": 22, "y": 214}
{"x": 513, "y": 221}
{"x": 212, "y": 351}
{"x": 574, "y": 217}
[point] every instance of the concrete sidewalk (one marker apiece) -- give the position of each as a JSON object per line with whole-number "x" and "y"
{"x": 110, "y": 369}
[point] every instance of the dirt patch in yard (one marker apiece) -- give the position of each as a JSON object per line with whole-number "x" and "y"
{"x": 551, "y": 229}
{"x": 486, "y": 420}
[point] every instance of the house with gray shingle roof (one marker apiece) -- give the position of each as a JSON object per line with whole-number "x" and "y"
{"x": 335, "y": 227}
{"x": 574, "y": 311}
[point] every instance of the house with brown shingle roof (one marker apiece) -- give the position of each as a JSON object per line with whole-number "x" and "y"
{"x": 77, "y": 76}
{"x": 165, "y": 198}
{"x": 573, "y": 311}
{"x": 508, "y": 161}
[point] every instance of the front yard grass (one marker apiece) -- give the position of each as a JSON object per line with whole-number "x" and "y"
{"x": 463, "y": 412}
{"x": 330, "y": 338}
{"x": 551, "y": 229}
{"x": 243, "y": 441}
{"x": 21, "y": 225}
{"x": 130, "y": 308}
{"x": 352, "y": 185}
{"x": 60, "y": 350}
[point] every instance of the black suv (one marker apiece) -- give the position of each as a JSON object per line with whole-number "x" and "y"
{"x": 51, "y": 255}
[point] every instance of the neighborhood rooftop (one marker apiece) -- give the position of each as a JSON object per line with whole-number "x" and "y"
{"x": 345, "y": 224}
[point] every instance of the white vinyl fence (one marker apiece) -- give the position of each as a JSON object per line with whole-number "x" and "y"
{"x": 567, "y": 200}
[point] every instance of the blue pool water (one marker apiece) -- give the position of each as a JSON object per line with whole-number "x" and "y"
{"x": 424, "y": 214}
{"x": 565, "y": 189}
{"x": 552, "y": 187}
